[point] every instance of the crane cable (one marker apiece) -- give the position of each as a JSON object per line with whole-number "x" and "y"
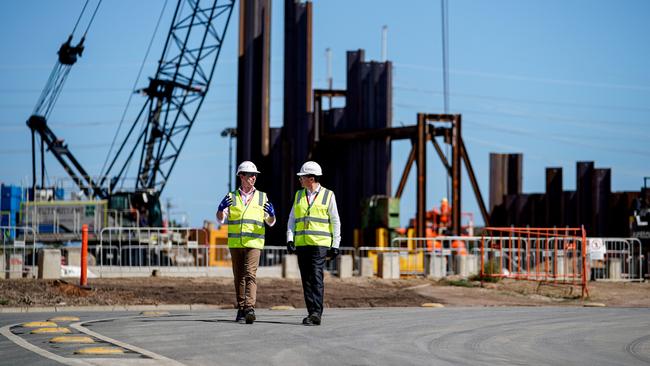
{"x": 60, "y": 71}
{"x": 135, "y": 84}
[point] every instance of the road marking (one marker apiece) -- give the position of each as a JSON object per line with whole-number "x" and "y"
{"x": 154, "y": 358}
{"x": 6, "y": 331}
{"x": 161, "y": 360}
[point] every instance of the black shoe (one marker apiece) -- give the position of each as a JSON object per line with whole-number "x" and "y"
{"x": 250, "y": 316}
{"x": 240, "y": 316}
{"x": 312, "y": 319}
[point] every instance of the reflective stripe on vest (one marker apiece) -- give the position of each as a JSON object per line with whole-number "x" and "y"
{"x": 246, "y": 222}
{"x": 312, "y": 225}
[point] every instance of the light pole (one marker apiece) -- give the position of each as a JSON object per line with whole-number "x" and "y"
{"x": 229, "y": 132}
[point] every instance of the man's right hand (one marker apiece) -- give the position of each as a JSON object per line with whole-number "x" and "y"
{"x": 225, "y": 203}
{"x": 291, "y": 247}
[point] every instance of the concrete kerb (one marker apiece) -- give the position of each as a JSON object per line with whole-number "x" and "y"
{"x": 111, "y": 308}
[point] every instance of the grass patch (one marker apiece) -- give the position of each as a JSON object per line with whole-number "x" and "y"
{"x": 4, "y": 302}
{"x": 459, "y": 283}
{"x": 489, "y": 268}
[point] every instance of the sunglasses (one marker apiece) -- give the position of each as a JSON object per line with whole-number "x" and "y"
{"x": 248, "y": 175}
{"x": 301, "y": 177}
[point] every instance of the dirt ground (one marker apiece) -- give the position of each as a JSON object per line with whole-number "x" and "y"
{"x": 355, "y": 292}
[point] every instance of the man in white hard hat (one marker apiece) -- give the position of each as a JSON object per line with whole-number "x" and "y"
{"x": 245, "y": 211}
{"x": 314, "y": 234}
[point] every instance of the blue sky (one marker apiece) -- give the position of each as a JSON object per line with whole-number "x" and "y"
{"x": 559, "y": 81}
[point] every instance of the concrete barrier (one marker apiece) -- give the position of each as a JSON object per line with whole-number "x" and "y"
{"x": 178, "y": 271}
{"x": 435, "y": 266}
{"x": 72, "y": 256}
{"x": 49, "y": 264}
{"x": 559, "y": 266}
{"x": 388, "y": 267}
{"x": 15, "y": 266}
{"x": 345, "y": 266}
{"x": 473, "y": 265}
{"x": 290, "y": 267}
{"x": 462, "y": 269}
{"x": 615, "y": 268}
{"x": 367, "y": 267}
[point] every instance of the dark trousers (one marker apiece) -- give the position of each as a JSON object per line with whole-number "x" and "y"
{"x": 311, "y": 260}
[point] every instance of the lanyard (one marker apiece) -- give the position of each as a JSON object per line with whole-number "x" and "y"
{"x": 309, "y": 204}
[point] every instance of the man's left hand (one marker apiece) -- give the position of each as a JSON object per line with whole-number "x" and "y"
{"x": 332, "y": 253}
{"x": 268, "y": 208}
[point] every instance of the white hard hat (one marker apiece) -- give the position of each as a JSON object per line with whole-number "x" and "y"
{"x": 247, "y": 167}
{"x": 310, "y": 168}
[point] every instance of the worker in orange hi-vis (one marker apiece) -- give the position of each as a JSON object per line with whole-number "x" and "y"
{"x": 245, "y": 211}
{"x": 444, "y": 211}
{"x": 314, "y": 234}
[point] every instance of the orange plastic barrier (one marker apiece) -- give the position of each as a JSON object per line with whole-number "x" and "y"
{"x": 537, "y": 254}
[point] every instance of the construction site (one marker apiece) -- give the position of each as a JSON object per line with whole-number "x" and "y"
{"x": 110, "y": 238}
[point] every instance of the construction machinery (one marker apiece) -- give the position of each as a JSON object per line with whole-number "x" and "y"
{"x": 174, "y": 96}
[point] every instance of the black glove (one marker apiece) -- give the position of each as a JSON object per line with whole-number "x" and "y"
{"x": 291, "y": 247}
{"x": 332, "y": 253}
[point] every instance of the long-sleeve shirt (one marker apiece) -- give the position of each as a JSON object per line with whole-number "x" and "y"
{"x": 246, "y": 197}
{"x": 331, "y": 209}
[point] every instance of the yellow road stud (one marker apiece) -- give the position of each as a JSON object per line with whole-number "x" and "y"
{"x": 99, "y": 351}
{"x": 39, "y": 324}
{"x": 282, "y": 307}
{"x": 50, "y": 330}
{"x": 64, "y": 319}
{"x": 432, "y": 305}
{"x": 594, "y": 305}
{"x": 72, "y": 339}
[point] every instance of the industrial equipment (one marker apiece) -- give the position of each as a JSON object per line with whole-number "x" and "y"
{"x": 174, "y": 97}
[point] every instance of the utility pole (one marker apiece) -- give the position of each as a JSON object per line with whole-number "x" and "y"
{"x": 384, "y": 43}
{"x": 328, "y": 57}
{"x": 231, "y": 133}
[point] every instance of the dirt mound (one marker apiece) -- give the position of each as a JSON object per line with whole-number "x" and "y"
{"x": 354, "y": 292}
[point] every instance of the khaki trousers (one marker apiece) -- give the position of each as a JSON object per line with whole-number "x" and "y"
{"x": 244, "y": 269}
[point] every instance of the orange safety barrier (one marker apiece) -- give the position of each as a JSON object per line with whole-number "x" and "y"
{"x": 539, "y": 254}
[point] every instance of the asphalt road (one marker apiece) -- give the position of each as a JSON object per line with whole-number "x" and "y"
{"x": 386, "y": 336}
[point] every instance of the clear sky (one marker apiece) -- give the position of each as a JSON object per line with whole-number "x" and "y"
{"x": 557, "y": 80}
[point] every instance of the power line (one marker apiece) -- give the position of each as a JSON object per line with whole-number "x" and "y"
{"x": 521, "y": 100}
{"x": 530, "y": 78}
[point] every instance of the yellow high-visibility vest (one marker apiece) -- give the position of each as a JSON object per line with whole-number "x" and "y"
{"x": 313, "y": 225}
{"x": 246, "y": 222}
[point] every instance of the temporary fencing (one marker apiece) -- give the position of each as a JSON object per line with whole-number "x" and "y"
{"x": 18, "y": 250}
{"x": 550, "y": 255}
{"x": 615, "y": 259}
{"x": 539, "y": 254}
